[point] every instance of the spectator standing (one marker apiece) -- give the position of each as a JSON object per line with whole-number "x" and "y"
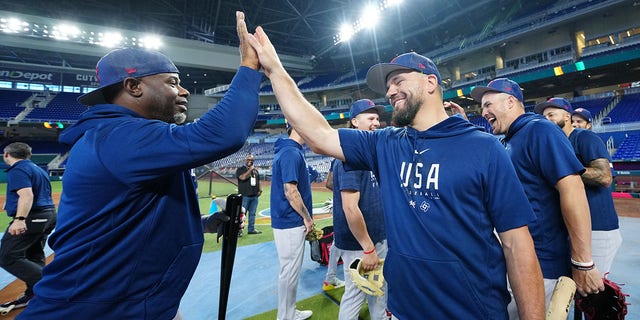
{"x": 129, "y": 234}
{"x": 594, "y": 156}
{"x": 291, "y": 219}
{"x": 250, "y": 189}
{"x": 30, "y": 205}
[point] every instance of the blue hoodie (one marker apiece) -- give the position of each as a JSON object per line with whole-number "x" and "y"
{"x": 542, "y": 155}
{"x": 129, "y": 235}
{"x": 444, "y": 190}
{"x": 289, "y": 166}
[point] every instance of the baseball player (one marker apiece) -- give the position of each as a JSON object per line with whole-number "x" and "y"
{"x": 445, "y": 187}
{"x": 593, "y": 154}
{"x": 550, "y": 174}
{"x": 358, "y": 219}
{"x": 291, "y": 219}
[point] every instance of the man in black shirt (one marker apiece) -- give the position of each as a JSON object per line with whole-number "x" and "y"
{"x": 250, "y": 189}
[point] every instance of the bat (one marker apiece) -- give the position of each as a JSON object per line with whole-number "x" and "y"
{"x": 229, "y": 244}
{"x": 561, "y": 299}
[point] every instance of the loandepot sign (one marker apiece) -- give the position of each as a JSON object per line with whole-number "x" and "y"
{"x": 16, "y": 75}
{"x": 63, "y": 78}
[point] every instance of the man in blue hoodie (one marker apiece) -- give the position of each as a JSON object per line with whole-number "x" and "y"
{"x": 550, "y": 174}
{"x": 129, "y": 235}
{"x": 445, "y": 187}
{"x": 594, "y": 156}
{"x": 291, "y": 219}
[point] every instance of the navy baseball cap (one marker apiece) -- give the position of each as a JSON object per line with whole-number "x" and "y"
{"x": 120, "y": 64}
{"x": 363, "y": 105}
{"x": 559, "y": 103}
{"x": 503, "y": 85}
{"x": 584, "y": 113}
{"x": 377, "y": 74}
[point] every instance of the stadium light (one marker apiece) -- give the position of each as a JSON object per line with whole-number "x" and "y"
{"x": 110, "y": 39}
{"x": 346, "y": 32}
{"x": 370, "y": 17}
{"x": 13, "y": 25}
{"x": 150, "y": 42}
{"x": 65, "y": 32}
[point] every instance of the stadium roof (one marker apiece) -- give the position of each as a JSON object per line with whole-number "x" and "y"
{"x": 304, "y": 29}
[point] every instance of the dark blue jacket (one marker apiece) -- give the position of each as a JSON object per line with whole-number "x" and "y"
{"x": 129, "y": 235}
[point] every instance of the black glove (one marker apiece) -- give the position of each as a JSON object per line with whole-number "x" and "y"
{"x": 608, "y": 304}
{"x": 214, "y": 223}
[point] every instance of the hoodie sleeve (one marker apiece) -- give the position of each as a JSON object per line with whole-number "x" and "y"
{"x": 140, "y": 149}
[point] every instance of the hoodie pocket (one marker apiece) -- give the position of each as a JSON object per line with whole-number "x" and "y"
{"x": 436, "y": 287}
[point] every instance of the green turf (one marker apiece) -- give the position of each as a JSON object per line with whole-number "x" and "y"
{"x": 221, "y": 189}
{"x": 325, "y": 306}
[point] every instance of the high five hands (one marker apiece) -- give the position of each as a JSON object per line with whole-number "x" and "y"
{"x": 256, "y": 49}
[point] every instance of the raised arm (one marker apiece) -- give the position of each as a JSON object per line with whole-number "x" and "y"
{"x": 575, "y": 212}
{"x": 304, "y": 117}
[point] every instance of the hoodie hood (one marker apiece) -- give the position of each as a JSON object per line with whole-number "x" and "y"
{"x": 103, "y": 113}
{"x": 450, "y": 127}
{"x": 285, "y": 143}
{"x": 520, "y": 122}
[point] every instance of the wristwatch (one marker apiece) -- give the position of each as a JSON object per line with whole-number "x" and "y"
{"x": 20, "y": 218}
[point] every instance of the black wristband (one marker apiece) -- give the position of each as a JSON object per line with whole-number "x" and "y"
{"x": 20, "y": 218}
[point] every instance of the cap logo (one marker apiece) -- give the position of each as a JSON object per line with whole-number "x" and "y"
{"x": 394, "y": 60}
{"x": 421, "y": 66}
{"x": 130, "y": 70}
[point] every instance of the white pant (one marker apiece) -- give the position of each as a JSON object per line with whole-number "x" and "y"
{"x": 604, "y": 246}
{"x": 334, "y": 256}
{"x": 290, "y": 247}
{"x": 353, "y": 297}
{"x": 549, "y": 285}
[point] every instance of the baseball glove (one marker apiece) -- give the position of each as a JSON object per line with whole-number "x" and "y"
{"x": 314, "y": 234}
{"x": 608, "y": 304}
{"x": 370, "y": 282}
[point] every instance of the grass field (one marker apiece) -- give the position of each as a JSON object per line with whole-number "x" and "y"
{"x": 220, "y": 188}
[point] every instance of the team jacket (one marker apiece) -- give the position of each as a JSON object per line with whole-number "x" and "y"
{"x": 129, "y": 235}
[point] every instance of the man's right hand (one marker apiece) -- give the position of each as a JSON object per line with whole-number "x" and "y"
{"x": 248, "y": 55}
{"x": 266, "y": 52}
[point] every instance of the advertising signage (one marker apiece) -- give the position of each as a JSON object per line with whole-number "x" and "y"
{"x": 45, "y": 77}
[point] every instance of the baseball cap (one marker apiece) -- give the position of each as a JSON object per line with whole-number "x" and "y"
{"x": 559, "y": 103}
{"x": 377, "y": 74}
{"x": 584, "y": 113}
{"x": 120, "y": 64}
{"x": 363, "y": 105}
{"x": 504, "y": 85}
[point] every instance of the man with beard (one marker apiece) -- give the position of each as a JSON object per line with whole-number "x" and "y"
{"x": 445, "y": 186}
{"x": 550, "y": 174}
{"x": 594, "y": 156}
{"x": 129, "y": 234}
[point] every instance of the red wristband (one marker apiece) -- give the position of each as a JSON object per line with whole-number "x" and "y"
{"x": 370, "y": 251}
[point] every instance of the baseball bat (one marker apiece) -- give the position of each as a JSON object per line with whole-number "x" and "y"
{"x": 561, "y": 299}
{"x": 229, "y": 244}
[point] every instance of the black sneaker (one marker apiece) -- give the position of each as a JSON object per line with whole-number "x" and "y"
{"x": 254, "y": 232}
{"x": 23, "y": 301}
